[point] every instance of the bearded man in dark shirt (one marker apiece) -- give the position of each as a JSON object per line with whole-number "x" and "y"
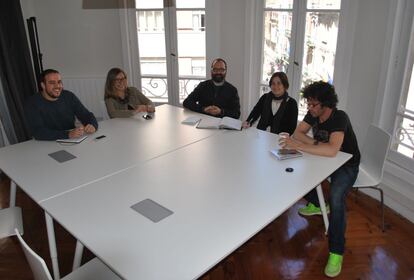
{"x": 215, "y": 97}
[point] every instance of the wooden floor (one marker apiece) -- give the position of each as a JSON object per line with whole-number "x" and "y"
{"x": 291, "y": 247}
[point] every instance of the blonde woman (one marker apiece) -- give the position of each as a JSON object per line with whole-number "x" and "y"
{"x": 123, "y": 101}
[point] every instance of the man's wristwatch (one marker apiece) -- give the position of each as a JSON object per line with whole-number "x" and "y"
{"x": 316, "y": 142}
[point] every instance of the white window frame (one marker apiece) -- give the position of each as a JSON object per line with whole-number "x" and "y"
{"x": 403, "y": 58}
{"x": 130, "y": 50}
{"x": 254, "y": 48}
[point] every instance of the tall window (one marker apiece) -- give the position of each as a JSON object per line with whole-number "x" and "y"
{"x": 404, "y": 136}
{"x": 171, "y": 45}
{"x": 300, "y": 38}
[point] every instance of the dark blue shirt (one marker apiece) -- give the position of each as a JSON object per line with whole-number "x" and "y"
{"x": 51, "y": 120}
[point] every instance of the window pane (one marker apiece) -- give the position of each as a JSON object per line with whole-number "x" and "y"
{"x": 276, "y": 45}
{"x": 279, "y": 4}
{"x": 405, "y": 129}
{"x": 187, "y": 86}
{"x": 320, "y": 46}
{"x": 151, "y": 42}
{"x": 191, "y": 41}
{"x": 405, "y": 133}
{"x": 324, "y": 4}
{"x": 149, "y": 4}
{"x": 410, "y": 97}
{"x": 321, "y": 32}
{"x": 155, "y": 88}
{"x": 190, "y": 4}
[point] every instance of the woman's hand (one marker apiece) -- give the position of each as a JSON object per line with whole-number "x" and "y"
{"x": 150, "y": 108}
{"x": 141, "y": 108}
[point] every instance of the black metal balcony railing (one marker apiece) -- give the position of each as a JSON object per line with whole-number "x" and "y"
{"x": 156, "y": 89}
{"x": 404, "y": 133}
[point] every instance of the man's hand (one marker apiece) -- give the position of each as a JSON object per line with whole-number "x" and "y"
{"x": 213, "y": 110}
{"x": 288, "y": 143}
{"x": 246, "y": 124}
{"x": 76, "y": 132}
{"x": 89, "y": 129}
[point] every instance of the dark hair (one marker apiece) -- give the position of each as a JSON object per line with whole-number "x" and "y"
{"x": 110, "y": 79}
{"x": 323, "y": 92}
{"x": 217, "y": 60}
{"x": 42, "y": 76}
{"x": 283, "y": 78}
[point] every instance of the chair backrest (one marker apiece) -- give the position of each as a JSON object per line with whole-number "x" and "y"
{"x": 104, "y": 111}
{"x": 374, "y": 151}
{"x": 37, "y": 264}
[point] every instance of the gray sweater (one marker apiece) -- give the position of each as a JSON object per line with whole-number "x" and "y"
{"x": 125, "y": 108}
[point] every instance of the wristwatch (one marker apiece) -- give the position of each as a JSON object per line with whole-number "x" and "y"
{"x": 316, "y": 142}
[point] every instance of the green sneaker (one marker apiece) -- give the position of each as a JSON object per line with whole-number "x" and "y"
{"x": 334, "y": 265}
{"x": 311, "y": 209}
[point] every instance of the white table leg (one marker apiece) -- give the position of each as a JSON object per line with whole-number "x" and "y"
{"x": 12, "y": 194}
{"x": 78, "y": 255}
{"x": 52, "y": 246}
{"x": 323, "y": 207}
{"x": 11, "y": 217}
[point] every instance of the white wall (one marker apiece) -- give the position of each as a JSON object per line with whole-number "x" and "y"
{"x": 82, "y": 40}
{"x": 366, "y": 63}
{"x": 232, "y": 42}
{"x": 78, "y": 41}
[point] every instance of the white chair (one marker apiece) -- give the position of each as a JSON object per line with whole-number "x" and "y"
{"x": 94, "y": 269}
{"x": 373, "y": 155}
{"x": 104, "y": 111}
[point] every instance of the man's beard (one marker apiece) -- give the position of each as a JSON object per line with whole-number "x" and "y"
{"x": 218, "y": 78}
{"x": 53, "y": 95}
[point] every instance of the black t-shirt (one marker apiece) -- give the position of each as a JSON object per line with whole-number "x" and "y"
{"x": 338, "y": 121}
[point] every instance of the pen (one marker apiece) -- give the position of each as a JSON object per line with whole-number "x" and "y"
{"x": 99, "y": 137}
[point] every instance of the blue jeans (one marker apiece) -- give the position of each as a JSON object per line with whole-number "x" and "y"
{"x": 342, "y": 181}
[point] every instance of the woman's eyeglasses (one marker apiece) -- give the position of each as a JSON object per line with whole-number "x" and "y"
{"x": 118, "y": 80}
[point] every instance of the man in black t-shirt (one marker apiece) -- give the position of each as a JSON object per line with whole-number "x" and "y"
{"x": 332, "y": 132}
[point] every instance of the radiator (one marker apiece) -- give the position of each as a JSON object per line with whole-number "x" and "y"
{"x": 90, "y": 91}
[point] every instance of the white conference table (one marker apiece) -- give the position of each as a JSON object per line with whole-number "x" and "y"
{"x": 128, "y": 142}
{"x": 222, "y": 190}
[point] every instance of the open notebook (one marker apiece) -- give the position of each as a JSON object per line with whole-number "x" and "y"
{"x": 225, "y": 123}
{"x": 286, "y": 153}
